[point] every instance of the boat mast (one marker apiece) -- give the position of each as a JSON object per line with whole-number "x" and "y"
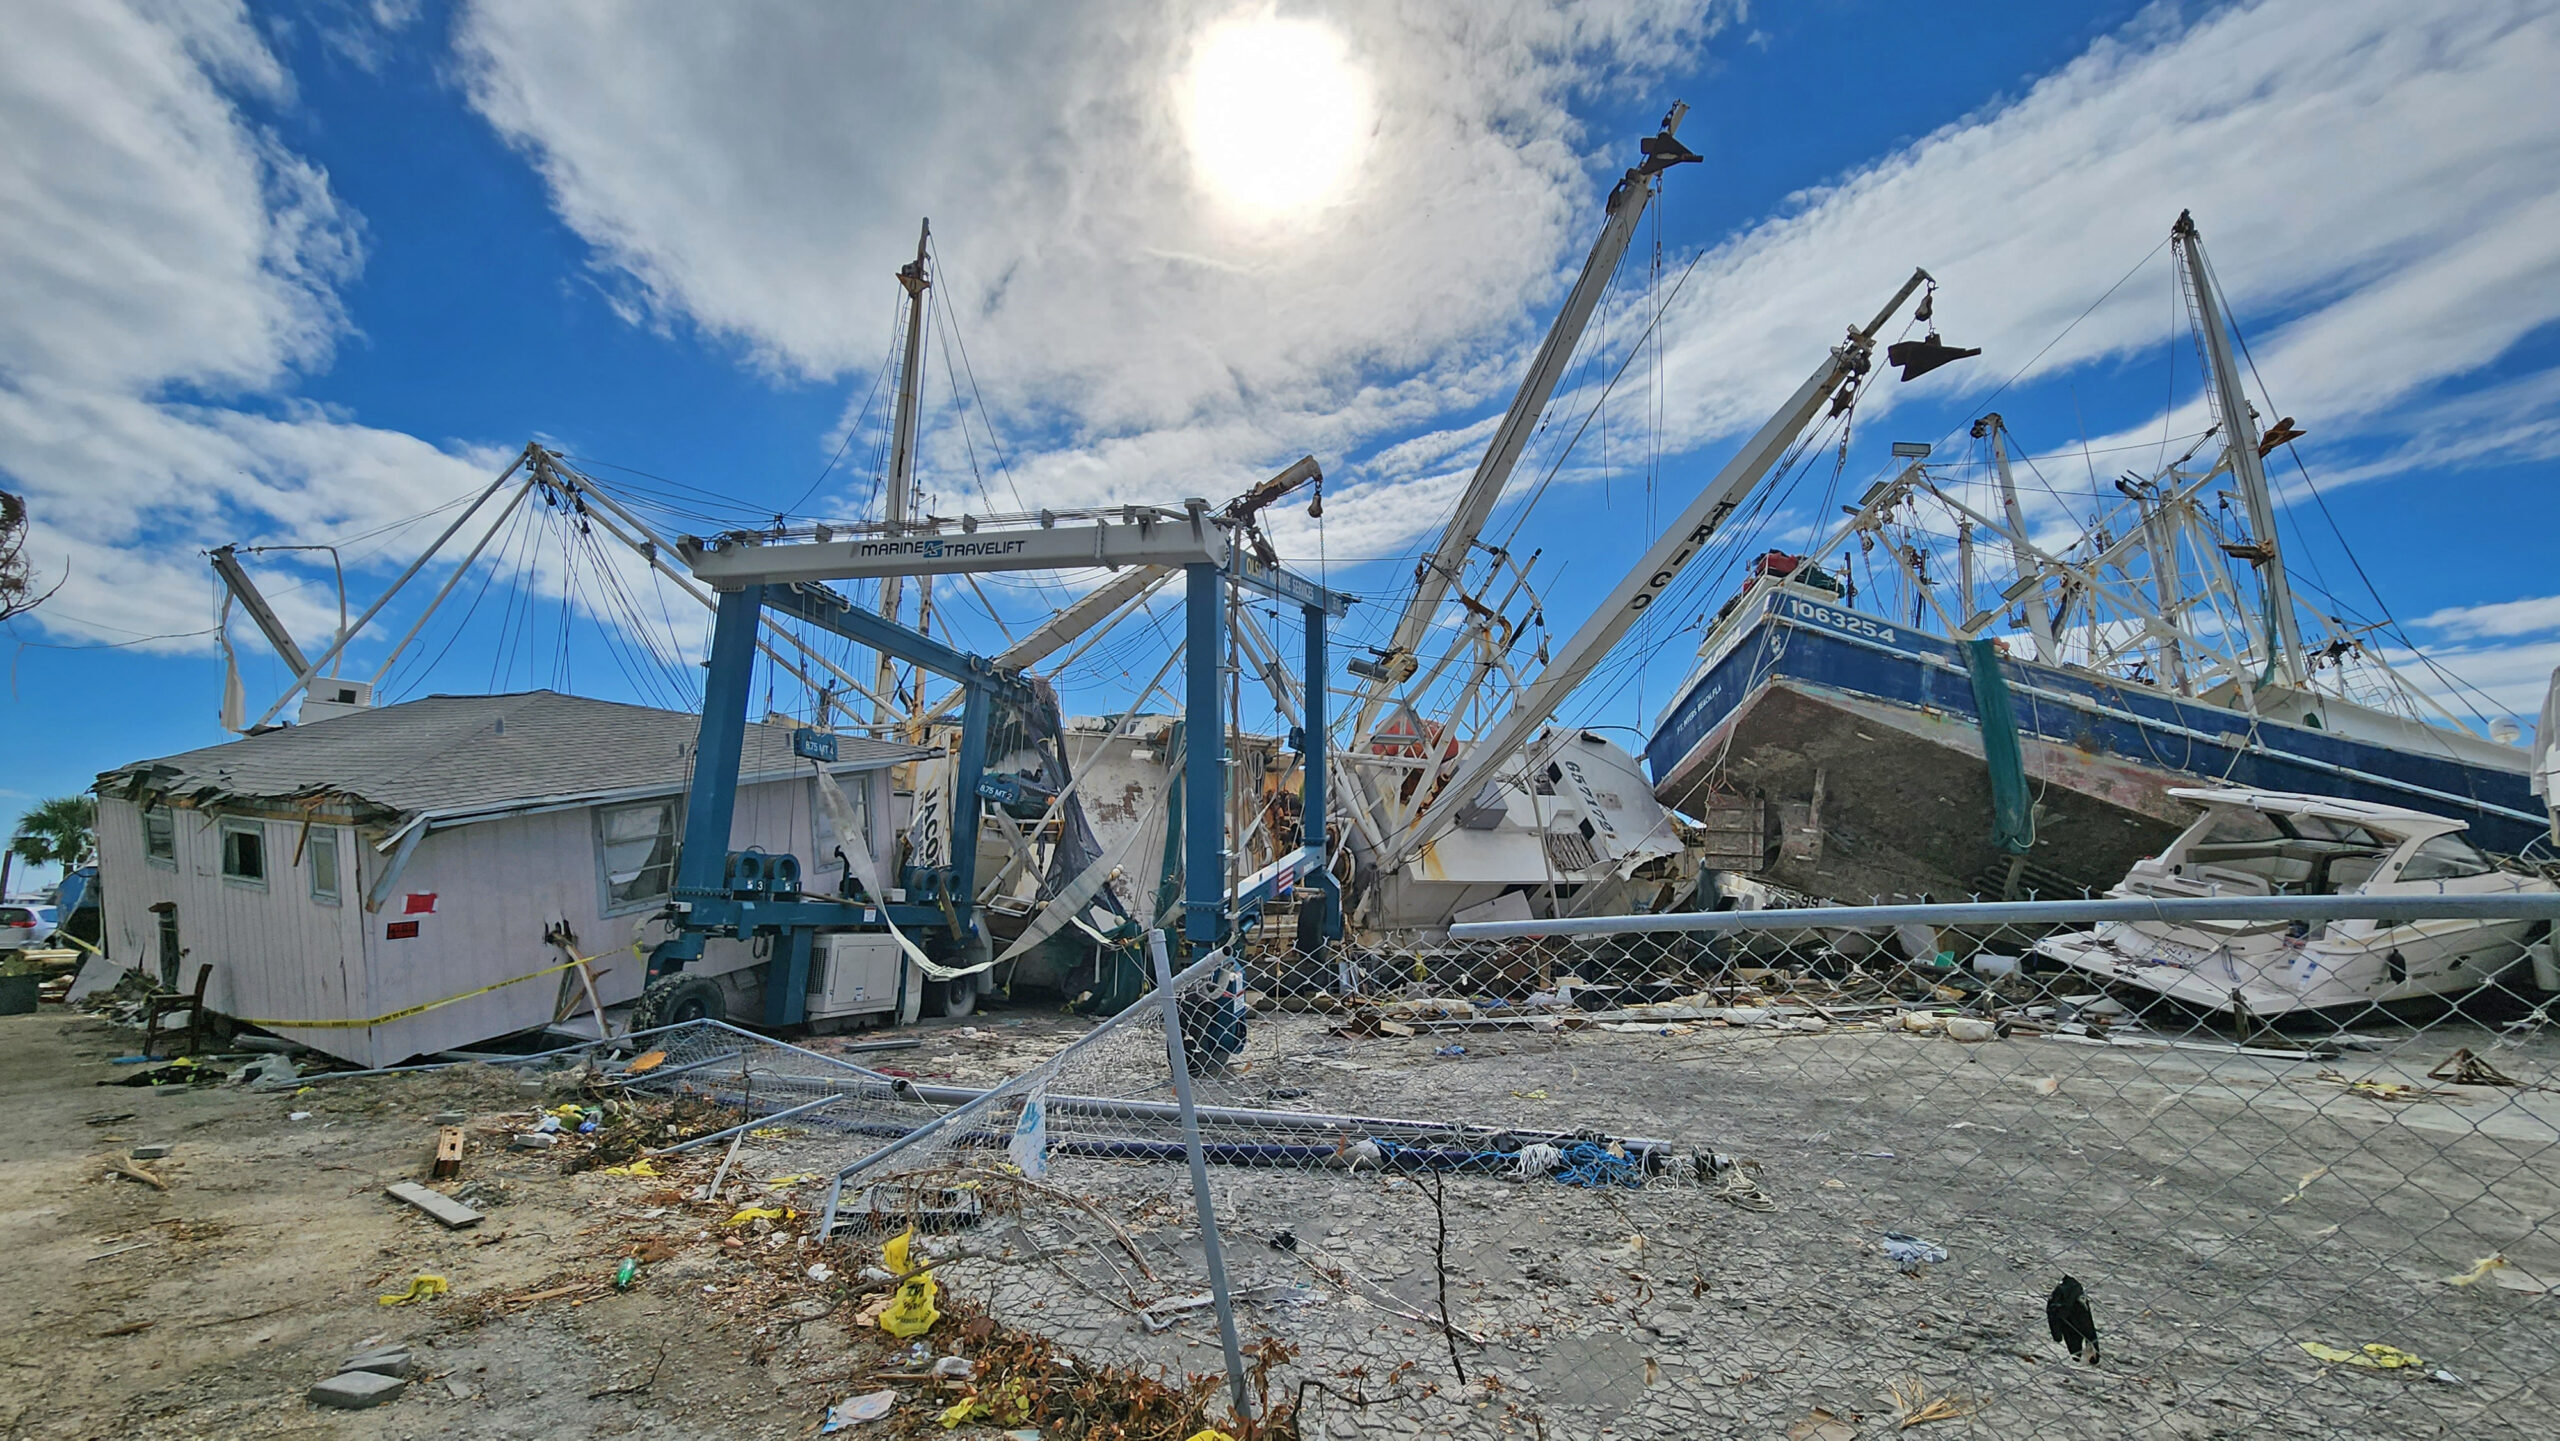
{"x": 1448, "y": 559}
{"x": 2240, "y": 436}
{"x": 2029, "y": 571}
{"x": 902, "y": 452}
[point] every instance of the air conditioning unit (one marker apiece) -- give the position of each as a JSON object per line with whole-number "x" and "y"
{"x": 855, "y": 973}
{"x": 329, "y": 697}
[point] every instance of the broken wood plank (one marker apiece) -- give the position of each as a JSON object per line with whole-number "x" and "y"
{"x": 448, "y": 1153}
{"x": 122, "y": 1167}
{"x": 451, "y": 1213}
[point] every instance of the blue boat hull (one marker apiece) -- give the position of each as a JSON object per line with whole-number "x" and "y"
{"x": 1865, "y": 738}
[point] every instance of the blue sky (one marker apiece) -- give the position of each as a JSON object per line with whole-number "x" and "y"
{"x": 298, "y": 273}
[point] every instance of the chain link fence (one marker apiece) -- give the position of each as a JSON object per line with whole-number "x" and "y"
{"x": 1815, "y": 1173}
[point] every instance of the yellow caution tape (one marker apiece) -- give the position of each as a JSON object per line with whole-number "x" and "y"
{"x": 407, "y": 1011}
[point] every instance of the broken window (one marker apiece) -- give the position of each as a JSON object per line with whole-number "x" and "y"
{"x": 320, "y": 850}
{"x": 638, "y": 845}
{"x": 244, "y": 852}
{"x": 160, "y": 834}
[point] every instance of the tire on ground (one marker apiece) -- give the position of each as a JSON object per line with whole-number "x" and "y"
{"x": 673, "y": 1000}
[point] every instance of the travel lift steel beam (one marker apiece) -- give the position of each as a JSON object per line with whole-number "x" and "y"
{"x": 717, "y": 893}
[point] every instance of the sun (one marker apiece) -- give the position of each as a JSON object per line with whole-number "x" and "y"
{"x": 1276, "y": 113}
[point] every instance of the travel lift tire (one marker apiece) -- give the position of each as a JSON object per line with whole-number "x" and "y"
{"x": 958, "y": 996}
{"x": 954, "y": 998}
{"x": 673, "y": 1000}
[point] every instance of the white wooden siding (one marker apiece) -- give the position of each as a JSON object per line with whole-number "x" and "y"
{"x": 278, "y": 955}
{"x": 275, "y": 952}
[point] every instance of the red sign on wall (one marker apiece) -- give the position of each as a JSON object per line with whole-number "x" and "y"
{"x": 400, "y": 931}
{"x": 420, "y": 903}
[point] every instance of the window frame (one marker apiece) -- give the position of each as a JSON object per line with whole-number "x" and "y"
{"x": 2455, "y": 840}
{"x": 672, "y": 807}
{"x": 229, "y": 827}
{"x": 320, "y": 838}
{"x": 165, "y": 857}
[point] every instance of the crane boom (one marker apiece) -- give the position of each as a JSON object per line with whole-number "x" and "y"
{"x": 1449, "y": 558}
{"x": 1650, "y": 576}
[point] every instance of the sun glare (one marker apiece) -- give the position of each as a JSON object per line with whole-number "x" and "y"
{"x": 1276, "y": 113}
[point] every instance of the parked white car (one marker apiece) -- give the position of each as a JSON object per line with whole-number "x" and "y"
{"x": 2274, "y": 843}
{"x": 24, "y": 927}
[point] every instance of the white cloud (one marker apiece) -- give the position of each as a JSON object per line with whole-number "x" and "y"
{"x": 2536, "y": 615}
{"x": 759, "y": 179}
{"x": 2378, "y": 173}
{"x": 2372, "y": 180}
{"x": 167, "y": 268}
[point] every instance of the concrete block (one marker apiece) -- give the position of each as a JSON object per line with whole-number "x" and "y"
{"x": 357, "y": 1390}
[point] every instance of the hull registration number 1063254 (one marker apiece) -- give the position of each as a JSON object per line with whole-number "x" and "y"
{"x": 1849, "y": 622}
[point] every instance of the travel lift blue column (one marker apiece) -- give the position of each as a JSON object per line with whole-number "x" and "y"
{"x": 1314, "y": 757}
{"x": 714, "y": 902}
{"x": 1206, "y": 904}
{"x": 1204, "y": 761}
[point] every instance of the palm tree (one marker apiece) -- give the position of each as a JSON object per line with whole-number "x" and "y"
{"x": 61, "y": 831}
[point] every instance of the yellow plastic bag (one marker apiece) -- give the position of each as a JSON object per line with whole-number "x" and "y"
{"x": 894, "y": 1255}
{"x": 758, "y": 1213}
{"x": 637, "y": 1168}
{"x": 2479, "y": 1268}
{"x": 1211, "y": 1435}
{"x": 912, "y": 1313}
{"x": 2374, "y": 1357}
{"x": 420, "y": 1289}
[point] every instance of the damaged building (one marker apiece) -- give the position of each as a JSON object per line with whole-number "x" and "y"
{"x": 393, "y": 882}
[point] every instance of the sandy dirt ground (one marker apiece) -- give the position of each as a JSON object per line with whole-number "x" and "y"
{"x": 2222, "y": 1210}
{"x": 209, "y": 1309}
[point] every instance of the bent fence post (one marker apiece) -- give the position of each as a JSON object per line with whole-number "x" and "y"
{"x": 1209, "y": 1241}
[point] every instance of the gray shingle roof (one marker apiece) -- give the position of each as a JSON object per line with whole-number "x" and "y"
{"x": 448, "y": 753}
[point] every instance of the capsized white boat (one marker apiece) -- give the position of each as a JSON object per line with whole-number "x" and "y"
{"x": 2277, "y": 843}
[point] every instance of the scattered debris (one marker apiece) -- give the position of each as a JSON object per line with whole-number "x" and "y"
{"x": 450, "y": 1213}
{"x": 2303, "y": 1185}
{"x": 1822, "y": 1425}
{"x": 357, "y": 1390}
{"x": 2374, "y": 1356}
{"x": 2376, "y": 1090}
{"x": 127, "y": 1169}
{"x": 2465, "y": 1069}
{"x": 854, "y": 1410}
{"x": 1915, "y": 1406}
{"x": 151, "y": 1152}
{"x": 424, "y": 1287}
{"x": 270, "y": 1072}
{"x": 448, "y": 1161}
{"x": 390, "y": 1361}
{"x": 1911, "y": 1253}
{"x": 2479, "y": 1269}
